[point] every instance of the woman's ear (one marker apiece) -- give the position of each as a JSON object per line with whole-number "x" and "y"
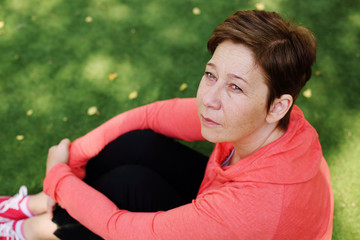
{"x": 279, "y": 108}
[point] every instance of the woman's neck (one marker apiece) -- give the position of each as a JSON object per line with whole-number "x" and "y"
{"x": 243, "y": 150}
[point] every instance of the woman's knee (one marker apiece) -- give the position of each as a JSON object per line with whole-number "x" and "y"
{"x": 138, "y": 188}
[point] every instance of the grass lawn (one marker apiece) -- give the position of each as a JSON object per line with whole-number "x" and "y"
{"x": 60, "y": 58}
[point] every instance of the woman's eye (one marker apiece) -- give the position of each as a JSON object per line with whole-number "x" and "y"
{"x": 210, "y": 75}
{"x": 235, "y": 88}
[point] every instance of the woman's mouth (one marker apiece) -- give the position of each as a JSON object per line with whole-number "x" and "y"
{"x": 208, "y": 122}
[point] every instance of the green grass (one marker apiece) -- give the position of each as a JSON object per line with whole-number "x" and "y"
{"x": 56, "y": 64}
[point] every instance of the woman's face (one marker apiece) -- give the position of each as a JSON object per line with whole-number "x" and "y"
{"x": 232, "y": 96}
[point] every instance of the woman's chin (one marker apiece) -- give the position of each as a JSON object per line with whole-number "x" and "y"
{"x": 211, "y": 136}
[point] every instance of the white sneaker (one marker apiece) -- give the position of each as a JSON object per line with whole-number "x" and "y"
{"x": 15, "y": 207}
{"x": 9, "y": 231}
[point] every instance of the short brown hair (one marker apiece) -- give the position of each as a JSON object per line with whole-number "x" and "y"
{"x": 284, "y": 51}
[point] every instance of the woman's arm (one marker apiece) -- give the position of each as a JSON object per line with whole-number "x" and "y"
{"x": 213, "y": 216}
{"x": 176, "y": 118}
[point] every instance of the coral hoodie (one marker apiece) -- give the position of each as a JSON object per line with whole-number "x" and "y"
{"x": 282, "y": 191}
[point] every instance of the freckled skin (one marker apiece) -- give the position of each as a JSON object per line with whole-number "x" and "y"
{"x": 237, "y": 104}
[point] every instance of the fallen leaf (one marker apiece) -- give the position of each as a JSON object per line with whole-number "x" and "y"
{"x": 88, "y": 19}
{"x": 260, "y": 6}
{"x": 133, "y": 95}
{"x": 29, "y": 112}
{"x": 93, "y": 110}
{"x": 2, "y": 24}
{"x": 317, "y": 73}
{"x": 307, "y": 93}
{"x": 112, "y": 76}
{"x": 65, "y": 119}
{"x": 196, "y": 11}
{"x": 183, "y": 87}
{"x": 20, "y": 137}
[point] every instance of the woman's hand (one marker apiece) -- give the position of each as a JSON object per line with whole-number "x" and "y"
{"x": 51, "y": 206}
{"x": 58, "y": 154}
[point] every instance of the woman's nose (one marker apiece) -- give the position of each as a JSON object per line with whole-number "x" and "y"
{"x": 211, "y": 97}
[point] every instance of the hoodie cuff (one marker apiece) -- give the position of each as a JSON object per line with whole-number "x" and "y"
{"x": 54, "y": 177}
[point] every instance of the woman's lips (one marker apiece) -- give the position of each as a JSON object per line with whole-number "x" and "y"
{"x": 208, "y": 121}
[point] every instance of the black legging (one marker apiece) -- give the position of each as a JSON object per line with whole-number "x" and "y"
{"x": 140, "y": 171}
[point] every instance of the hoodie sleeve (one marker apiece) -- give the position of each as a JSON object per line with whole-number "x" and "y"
{"x": 213, "y": 215}
{"x": 176, "y": 118}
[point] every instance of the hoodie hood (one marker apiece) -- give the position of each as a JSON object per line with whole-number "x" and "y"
{"x": 293, "y": 158}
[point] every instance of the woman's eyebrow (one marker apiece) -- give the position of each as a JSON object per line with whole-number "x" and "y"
{"x": 231, "y": 75}
{"x": 211, "y": 64}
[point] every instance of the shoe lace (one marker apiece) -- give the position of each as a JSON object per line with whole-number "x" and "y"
{"x": 6, "y": 230}
{"x": 13, "y": 202}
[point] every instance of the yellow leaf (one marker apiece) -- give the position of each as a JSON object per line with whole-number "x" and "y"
{"x": 260, "y": 6}
{"x": 317, "y": 73}
{"x": 307, "y": 93}
{"x": 29, "y": 112}
{"x": 93, "y": 110}
{"x": 2, "y": 24}
{"x": 65, "y": 119}
{"x": 196, "y": 11}
{"x": 20, "y": 137}
{"x": 88, "y": 19}
{"x": 133, "y": 95}
{"x": 112, "y": 76}
{"x": 183, "y": 87}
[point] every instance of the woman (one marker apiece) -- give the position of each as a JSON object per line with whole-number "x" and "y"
{"x": 265, "y": 179}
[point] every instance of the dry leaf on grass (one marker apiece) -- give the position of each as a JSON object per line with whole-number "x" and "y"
{"x": 88, "y": 19}
{"x": 183, "y": 87}
{"x": 307, "y": 93}
{"x": 196, "y": 11}
{"x": 29, "y": 112}
{"x": 20, "y": 137}
{"x": 260, "y": 6}
{"x": 92, "y": 111}
{"x": 133, "y": 95}
{"x": 112, "y": 76}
